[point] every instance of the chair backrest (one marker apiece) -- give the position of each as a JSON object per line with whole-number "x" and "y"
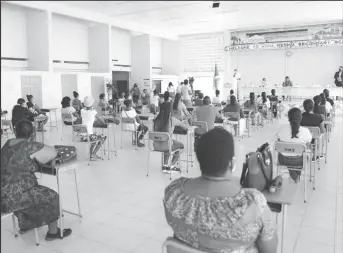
{"x": 201, "y": 124}
{"x": 127, "y": 120}
{"x": 171, "y": 245}
{"x": 80, "y": 129}
{"x": 315, "y": 132}
{"x": 232, "y": 115}
{"x": 160, "y": 136}
{"x": 290, "y": 147}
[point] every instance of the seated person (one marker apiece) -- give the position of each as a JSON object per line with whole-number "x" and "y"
{"x": 180, "y": 111}
{"x": 293, "y": 133}
{"x": 235, "y": 107}
{"x": 327, "y": 105}
{"x": 20, "y": 112}
{"x": 207, "y": 113}
{"x": 34, "y": 108}
{"x": 212, "y": 213}
{"x": 251, "y": 104}
{"x": 216, "y": 100}
{"x": 127, "y": 96}
{"x": 263, "y": 100}
{"x": 103, "y": 104}
{"x": 274, "y": 102}
{"x": 166, "y": 123}
{"x": 318, "y": 107}
{"x": 89, "y": 115}
{"x": 232, "y": 93}
{"x": 199, "y": 100}
{"x": 154, "y": 102}
{"x": 327, "y": 96}
{"x": 34, "y": 205}
{"x": 145, "y": 97}
{"x": 77, "y": 104}
{"x": 311, "y": 119}
{"x": 69, "y": 110}
{"x": 129, "y": 112}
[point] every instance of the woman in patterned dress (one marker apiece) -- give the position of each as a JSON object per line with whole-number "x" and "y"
{"x": 34, "y": 205}
{"x": 213, "y": 213}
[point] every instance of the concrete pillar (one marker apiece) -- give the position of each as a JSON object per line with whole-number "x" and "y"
{"x": 228, "y": 72}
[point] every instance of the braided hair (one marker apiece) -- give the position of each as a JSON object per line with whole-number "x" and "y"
{"x": 294, "y": 118}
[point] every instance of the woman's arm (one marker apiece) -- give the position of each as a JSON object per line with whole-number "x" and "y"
{"x": 176, "y": 122}
{"x": 100, "y": 119}
{"x": 322, "y": 128}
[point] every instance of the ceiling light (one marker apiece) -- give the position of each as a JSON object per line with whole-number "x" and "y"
{"x": 215, "y": 4}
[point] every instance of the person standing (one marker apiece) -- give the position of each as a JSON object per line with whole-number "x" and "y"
{"x": 339, "y": 77}
{"x": 235, "y": 82}
{"x": 135, "y": 92}
{"x": 186, "y": 94}
{"x": 179, "y": 87}
{"x": 264, "y": 82}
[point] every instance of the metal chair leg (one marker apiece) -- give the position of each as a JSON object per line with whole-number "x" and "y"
{"x": 14, "y": 226}
{"x": 60, "y": 204}
{"x": 37, "y": 238}
{"x": 77, "y": 193}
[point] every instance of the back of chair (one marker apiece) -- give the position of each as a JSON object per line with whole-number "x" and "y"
{"x": 171, "y": 245}
{"x": 315, "y": 132}
{"x": 201, "y": 124}
{"x": 229, "y": 115}
{"x": 290, "y": 147}
{"x": 160, "y": 136}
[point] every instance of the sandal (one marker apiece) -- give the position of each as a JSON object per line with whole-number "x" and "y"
{"x": 51, "y": 237}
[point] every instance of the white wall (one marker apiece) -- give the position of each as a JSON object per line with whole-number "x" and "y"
{"x": 141, "y": 61}
{"x": 99, "y": 48}
{"x": 120, "y": 46}
{"x": 69, "y": 39}
{"x": 171, "y": 57}
{"x": 13, "y": 34}
{"x": 38, "y": 40}
{"x": 305, "y": 67}
{"x": 156, "y": 51}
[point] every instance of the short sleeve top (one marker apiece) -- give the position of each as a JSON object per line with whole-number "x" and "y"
{"x": 218, "y": 224}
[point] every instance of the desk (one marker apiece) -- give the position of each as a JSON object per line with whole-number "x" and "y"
{"x": 327, "y": 125}
{"x": 108, "y": 126}
{"x": 284, "y": 197}
{"x": 55, "y": 112}
{"x": 296, "y": 92}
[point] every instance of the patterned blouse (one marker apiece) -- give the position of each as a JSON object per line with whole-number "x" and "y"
{"x": 218, "y": 224}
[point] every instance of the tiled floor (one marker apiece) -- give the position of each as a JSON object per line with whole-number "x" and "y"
{"x": 123, "y": 212}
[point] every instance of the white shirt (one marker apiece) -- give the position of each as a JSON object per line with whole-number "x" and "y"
{"x": 185, "y": 92}
{"x": 154, "y": 100}
{"x": 285, "y": 134}
{"x": 267, "y": 103}
{"x": 178, "y": 89}
{"x": 328, "y": 107}
{"x": 129, "y": 114}
{"x": 171, "y": 89}
{"x": 216, "y": 100}
{"x": 88, "y": 118}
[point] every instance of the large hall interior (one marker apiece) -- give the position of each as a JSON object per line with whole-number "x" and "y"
{"x": 171, "y": 126}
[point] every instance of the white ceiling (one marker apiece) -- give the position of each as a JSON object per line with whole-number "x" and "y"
{"x": 190, "y": 17}
{"x": 170, "y": 19}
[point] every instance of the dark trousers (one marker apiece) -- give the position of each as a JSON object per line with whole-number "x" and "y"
{"x": 144, "y": 130}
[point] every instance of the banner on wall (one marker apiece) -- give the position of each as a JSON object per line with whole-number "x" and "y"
{"x": 286, "y": 45}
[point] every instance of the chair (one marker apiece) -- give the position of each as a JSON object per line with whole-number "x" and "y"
{"x": 171, "y": 245}
{"x": 231, "y": 123}
{"x": 318, "y": 137}
{"x": 248, "y": 116}
{"x": 5, "y": 125}
{"x": 159, "y": 136}
{"x": 5, "y": 215}
{"x": 297, "y": 149}
{"x": 83, "y": 130}
{"x": 200, "y": 124}
{"x": 38, "y": 120}
{"x": 135, "y": 132}
{"x": 68, "y": 118}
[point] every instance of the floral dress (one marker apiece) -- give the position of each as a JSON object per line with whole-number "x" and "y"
{"x": 34, "y": 205}
{"x": 218, "y": 224}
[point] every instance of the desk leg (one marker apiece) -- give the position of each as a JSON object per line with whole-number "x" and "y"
{"x": 61, "y": 210}
{"x": 284, "y": 215}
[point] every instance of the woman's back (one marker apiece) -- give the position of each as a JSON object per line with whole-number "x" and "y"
{"x": 234, "y": 108}
{"x": 218, "y": 223}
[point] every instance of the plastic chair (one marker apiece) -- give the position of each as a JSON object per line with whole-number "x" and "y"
{"x": 83, "y": 130}
{"x": 248, "y": 116}
{"x": 135, "y": 132}
{"x": 296, "y": 149}
{"x": 318, "y": 137}
{"x": 5, "y": 215}
{"x": 171, "y": 245}
{"x": 200, "y": 124}
{"x": 6, "y": 123}
{"x": 68, "y": 118}
{"x": 159, "y": 136}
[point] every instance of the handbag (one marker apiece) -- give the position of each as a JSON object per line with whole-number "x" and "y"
{"x": 258, "y": 169}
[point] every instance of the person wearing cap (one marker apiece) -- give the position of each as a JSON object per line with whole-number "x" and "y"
{"x": 88, "y": 115}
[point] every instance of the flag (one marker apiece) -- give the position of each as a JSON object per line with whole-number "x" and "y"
{"x": 216, "y": 77}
